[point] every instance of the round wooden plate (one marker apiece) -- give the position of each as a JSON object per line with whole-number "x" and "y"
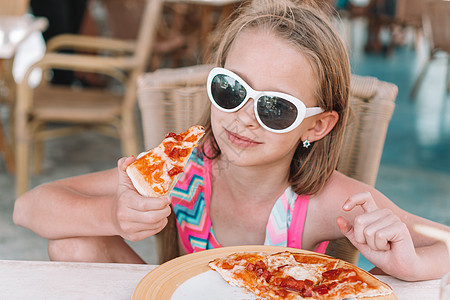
{"x": 161, "y": 283}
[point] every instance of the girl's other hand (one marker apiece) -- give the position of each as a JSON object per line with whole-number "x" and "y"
{"x": 136, "y": 217}
{"x": 380, "y": 236}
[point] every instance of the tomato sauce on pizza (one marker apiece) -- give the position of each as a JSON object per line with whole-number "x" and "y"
{"x": 287, "y": 275}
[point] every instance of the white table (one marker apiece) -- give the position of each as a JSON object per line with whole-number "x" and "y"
{"x": 60, "y": 280}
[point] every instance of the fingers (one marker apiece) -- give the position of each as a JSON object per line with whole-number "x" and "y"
{"x": 347, "y": 230}
{"x": 137, "y": 217}
{"x": 378, "y": 234}
{"x": 378, "y": 229}
{"x": 344, "y": 225}
{"x": 366, "y": 225}
{"x": 144, "y": 217}
{"x": 144, "y": 204}
{"x": 124, "y": 162}
{"x": 365, "y": 200}
{"x": 122, "y": 165}
{"x": 132, "y": 222}
{"x": 373, "y": 228}
{"x": 138, "y": 235}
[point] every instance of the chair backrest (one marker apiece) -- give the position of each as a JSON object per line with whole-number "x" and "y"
{"x": 372, "y": 105}
{"x": 13, "y": 7}
{"x": 436, "y": 24}
{"x": 174, "y": 99}
{"x": 147, "y": 32}
{"x": 144, "y": 44}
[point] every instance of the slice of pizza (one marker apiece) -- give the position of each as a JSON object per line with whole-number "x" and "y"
{"x": 243, "y": 269}
{"x": 287, "y": 275}
{"x": 155, "y": 172}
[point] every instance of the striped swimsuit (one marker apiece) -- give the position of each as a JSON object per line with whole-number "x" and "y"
{"x": 191, "y": 200}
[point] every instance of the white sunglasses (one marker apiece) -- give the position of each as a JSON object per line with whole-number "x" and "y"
{"x": 276, "y": 112}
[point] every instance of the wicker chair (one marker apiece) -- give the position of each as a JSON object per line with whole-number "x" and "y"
{"x": 436, "y": 25}
{"x": 174, "y": 99}
{"x": 85, "y": 108}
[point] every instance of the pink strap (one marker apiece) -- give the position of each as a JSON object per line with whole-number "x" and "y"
{"x": 298, "y": 222}
{"x": 207, "y": 169}
{"x": 295, "y": 231}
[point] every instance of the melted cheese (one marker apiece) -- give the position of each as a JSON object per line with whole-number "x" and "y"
{"x": 286, "y": 265}
{"x": 159, "y": 179}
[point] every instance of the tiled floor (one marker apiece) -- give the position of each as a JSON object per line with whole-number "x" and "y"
{"x": 414, "y": 171}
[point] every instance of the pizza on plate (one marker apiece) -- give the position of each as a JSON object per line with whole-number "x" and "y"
{"x": 154, "y": 173}
{"x": 287, "y": 275}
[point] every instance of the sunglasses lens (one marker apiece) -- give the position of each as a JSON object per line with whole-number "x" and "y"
{"x": 227, "y": 92}
{"x": 276, "y": 113}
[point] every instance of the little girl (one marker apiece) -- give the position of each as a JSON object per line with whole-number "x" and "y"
{"x": 265, "y": 172}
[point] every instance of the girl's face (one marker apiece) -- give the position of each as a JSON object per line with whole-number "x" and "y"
{"x": 267, "y": 63}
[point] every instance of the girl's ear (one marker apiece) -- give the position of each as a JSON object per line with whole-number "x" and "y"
{"x": 321, "y": 126}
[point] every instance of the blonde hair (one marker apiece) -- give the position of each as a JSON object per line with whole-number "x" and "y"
{"x": 310, "y": 31}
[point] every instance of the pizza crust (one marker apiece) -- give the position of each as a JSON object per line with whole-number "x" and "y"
{"x": 139, "y": 183}
{"x": 379, "y": 288}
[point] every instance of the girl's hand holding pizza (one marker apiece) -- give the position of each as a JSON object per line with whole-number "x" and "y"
{"x": 380, "y": 236}
{"x": 136, "y": 217}
{"x": 143, "y": 202}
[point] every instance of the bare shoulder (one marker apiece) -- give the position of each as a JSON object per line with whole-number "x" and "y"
{"x": 339, "y": 187}
{"x": 326, "y": 205}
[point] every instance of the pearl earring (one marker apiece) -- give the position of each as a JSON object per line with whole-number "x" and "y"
{"x": 306, "y": 143}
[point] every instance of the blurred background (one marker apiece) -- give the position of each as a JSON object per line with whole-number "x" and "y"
{"x": 386, "y": 39}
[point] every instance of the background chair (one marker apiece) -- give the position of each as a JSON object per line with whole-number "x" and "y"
{"x": 9, "y": 9}
{"x": 436, "y": 26}
{"x": 99, "y": 108}
{"x": 394, "y": 15}
{"x": 408, "y": 14}
{"x": 174, "y": 99}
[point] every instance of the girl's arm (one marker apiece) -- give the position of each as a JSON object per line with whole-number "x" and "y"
{"x": 96, "y": 204}
{"x": 385, "y": 235}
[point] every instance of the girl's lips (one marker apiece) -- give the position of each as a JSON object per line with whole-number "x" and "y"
{"x": 241, "y": 141}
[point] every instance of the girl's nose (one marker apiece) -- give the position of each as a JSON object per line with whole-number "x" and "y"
{"x": 246, "y": 115}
